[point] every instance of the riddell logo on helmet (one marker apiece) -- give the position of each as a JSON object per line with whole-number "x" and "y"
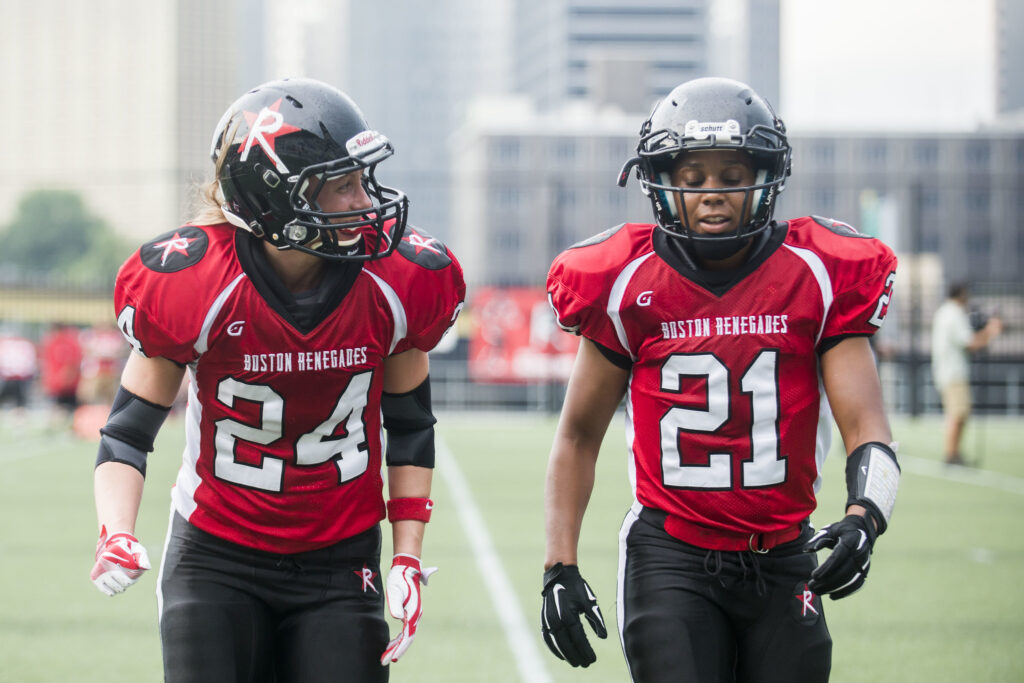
{"x": 365, "y": 143}
{"x": 364, "y": 139}
{"x": 264, "y": 129}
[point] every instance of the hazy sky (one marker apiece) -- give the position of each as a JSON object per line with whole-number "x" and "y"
{"x": 887, "y": 64}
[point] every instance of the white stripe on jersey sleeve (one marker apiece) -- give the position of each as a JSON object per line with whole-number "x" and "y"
{"x": 203, "y": 342}
{"x": 615, "y": 299}
{"x": 397, "y": 310}
{"x": 824, "y": 282}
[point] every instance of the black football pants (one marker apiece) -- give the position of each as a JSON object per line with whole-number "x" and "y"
{"x": 690, "y": 615}
{"x": 231, "y": 614}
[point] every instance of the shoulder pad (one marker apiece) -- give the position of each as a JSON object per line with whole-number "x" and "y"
{"x": 175, "y": 250}
{"x": 423, "y": 249}
{"x": 838, "y": 227}
{"x": 599, "y": 237}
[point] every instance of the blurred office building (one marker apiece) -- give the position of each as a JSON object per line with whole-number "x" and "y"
{"x": 419, "y": 88}
{"x": 627, "y": 53}
{"x": 536, "y": 173}
{"x": 1010, "y": 58}
{"x": 529, "y": 184}
{"x": 414, "y": 67}
{"x": 746, "y": 37}
{"x": 116, "y": 101}
{"x": 958, "y": 195}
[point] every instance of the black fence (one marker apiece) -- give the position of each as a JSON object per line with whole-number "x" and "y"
{"x": 997, "y": 385}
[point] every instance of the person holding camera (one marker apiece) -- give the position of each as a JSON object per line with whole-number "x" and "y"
{"x": 954, "y": 338}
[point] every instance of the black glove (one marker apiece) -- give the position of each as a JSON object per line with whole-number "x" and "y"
{"x": 566, "y": 595}
{"x": 843, "y": 573}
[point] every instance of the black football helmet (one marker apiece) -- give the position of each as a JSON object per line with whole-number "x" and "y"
{"x": 276, "y": 146}
{"x": 712, "y": 113}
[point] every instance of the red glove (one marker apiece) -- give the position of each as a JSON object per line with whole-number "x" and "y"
{"x": 403, "y": 591}
{"x": 120, "y": 561}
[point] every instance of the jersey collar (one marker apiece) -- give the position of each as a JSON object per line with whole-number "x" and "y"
{"x": 675, "y": 253}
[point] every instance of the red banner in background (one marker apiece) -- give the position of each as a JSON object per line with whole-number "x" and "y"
{"x": 515, "y": 338}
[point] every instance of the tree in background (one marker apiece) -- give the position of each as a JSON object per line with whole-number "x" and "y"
{"x": 54, "y": 235}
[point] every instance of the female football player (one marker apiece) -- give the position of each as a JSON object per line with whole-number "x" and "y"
{"x": 303, "y": 321}
{"x": 730, "y": 335}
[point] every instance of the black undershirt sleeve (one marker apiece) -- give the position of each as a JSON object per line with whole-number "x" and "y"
{"x": 614, "y": 357}
{"x": 827, "y": 344}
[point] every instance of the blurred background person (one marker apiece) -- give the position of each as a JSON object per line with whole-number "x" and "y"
{"x": 103, "y": 358}
{"x": 953, "y": 340}
{"x": 61, "y": 361}
{"x": 18, "y": 368}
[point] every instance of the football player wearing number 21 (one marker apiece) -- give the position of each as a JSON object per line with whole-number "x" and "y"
{"x": 301, "y": 306}
{"x": 735, "y": 340}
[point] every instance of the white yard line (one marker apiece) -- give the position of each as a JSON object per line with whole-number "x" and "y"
{"x": 962, "y": 475}
{"x": 522, "y": 639}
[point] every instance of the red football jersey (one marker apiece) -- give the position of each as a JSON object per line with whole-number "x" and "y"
{"x": 283, "y": 428}
{"x": 726, "y": 420}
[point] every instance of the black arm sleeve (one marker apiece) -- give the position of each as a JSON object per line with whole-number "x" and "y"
{"x": 409, "y": 422}
{"x": 130, "y": 430}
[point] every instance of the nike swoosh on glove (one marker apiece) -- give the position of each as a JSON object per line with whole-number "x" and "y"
{"x": 403, "y": 593}
{"x": 843, "y": 573}
{"x": 566, "y": 596}
{"x": 120, "y": 561}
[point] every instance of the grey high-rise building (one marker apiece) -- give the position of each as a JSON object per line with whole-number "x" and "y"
{"x": 763, "y": 39}
{"x": 746, "y": 36}
{"x": 1009, "y": 56}
{"x": 626, "y": 53}
{"x": 413, "y": 67}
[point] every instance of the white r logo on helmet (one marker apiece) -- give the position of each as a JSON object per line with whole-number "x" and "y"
{"x": 267, "y": 122}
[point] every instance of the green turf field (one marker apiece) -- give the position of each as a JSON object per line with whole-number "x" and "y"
{"x": 944, "y": 601}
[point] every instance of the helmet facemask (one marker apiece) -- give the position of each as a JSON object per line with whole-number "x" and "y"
{"x": 360, "y": 234}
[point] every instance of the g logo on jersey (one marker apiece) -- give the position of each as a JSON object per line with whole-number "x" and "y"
{"x": 424, "y": 250}
{"x": 174, "y": 250}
